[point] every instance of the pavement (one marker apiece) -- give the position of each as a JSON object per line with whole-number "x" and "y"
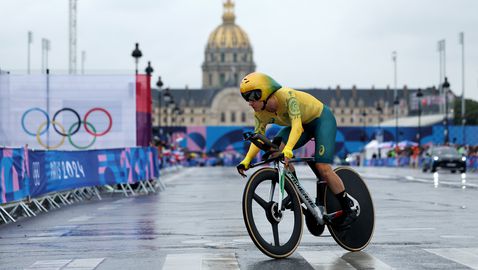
{"x": 423, "y": 221}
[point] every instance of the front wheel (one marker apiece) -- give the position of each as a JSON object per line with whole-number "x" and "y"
{"x": 276, "y": 233}
{"x": 360, "y": 232}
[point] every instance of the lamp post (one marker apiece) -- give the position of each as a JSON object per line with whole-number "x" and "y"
{"x": 446, "y": 88}
{"x": 45, "y": 45}
{"x": 149, "y": 70}
{"x": 419, "y": 96}
{"x": 379, "y": 133}
{"x": 463, "y": 119}
{"x": 167, "y": 100}
{"x": 30, "y": 41}
{"x": 395, "y": 94}
{"x": 159, "y": 84}
{"x": 364, "y": 135}
{"x": 136, "y": 54}
{"x": 83, "y": 59}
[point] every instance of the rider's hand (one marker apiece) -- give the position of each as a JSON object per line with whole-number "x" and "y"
{"x": 287, "y": 156}
{"x": 243, "y": 166}
{"x": 286, "y": 162}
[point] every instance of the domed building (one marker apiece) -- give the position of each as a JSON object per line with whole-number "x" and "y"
{"x": 228, "y": 56}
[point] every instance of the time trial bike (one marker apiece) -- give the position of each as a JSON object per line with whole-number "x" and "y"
{"x": 274, "y": 201}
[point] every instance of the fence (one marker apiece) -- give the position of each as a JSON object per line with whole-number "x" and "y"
{"x": 34, "y": 179}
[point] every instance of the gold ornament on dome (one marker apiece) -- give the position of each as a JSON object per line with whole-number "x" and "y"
{"x": 228, "y": 34}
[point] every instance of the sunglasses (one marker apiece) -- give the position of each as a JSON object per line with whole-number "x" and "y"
{"x": 253, "y": 95}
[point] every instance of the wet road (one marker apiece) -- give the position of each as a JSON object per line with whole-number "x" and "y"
{"x": 423, "y": 221}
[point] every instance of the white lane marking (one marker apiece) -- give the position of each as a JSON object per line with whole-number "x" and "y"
{"x": 219, "y": 262}
{"x": 342, "y": 260}
{"x": 465, "y": 256}
{"x": 197, "y": 241}
{"x": 411, "y": 229}
{"x": 325, "y": 260}
{"x": 182, "y": 261}
{"x": 201, "y": 261}
{"x": 84, "y": 264}
{"x": 80, "y": 218}
{"x": 104, "y": 208}
{"x": 363, "y": 260}
{"x": 451, "y": 236}
{"x": 124, "y": 200}
{"x": 48, "y": 265}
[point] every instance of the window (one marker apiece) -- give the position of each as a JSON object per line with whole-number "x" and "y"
{"x": 342, "y": 120}
{"x": 234, "y": 57}
{"x": 192, "y": 120}
{"x": 222, "y": 78}
{"x": 351, "y": 120}
{"x": 223, "y": 57}
{"x": 351, "y": 111}
{"x": 342, "y": 111}
{"x": 243, "y": 117}
{"x": 233, "y": 117}
{"x": 223, "y": 117}
{"x": 210, "y": 78}
{"x": 370, "y": 120}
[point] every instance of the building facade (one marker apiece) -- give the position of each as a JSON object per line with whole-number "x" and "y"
{"x": 229, "y": 56}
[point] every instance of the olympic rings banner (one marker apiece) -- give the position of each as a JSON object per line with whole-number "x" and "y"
{"x": 65, "y": 112}
{"x": 34, "y": 173}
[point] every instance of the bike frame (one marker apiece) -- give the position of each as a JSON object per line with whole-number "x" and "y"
{"x": 317, "y": 208}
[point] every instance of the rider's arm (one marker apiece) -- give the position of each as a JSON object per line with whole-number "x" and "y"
{"x": 260, "y": 127}
{"x": 296, "y": 124}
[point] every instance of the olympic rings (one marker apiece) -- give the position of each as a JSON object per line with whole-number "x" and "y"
{"x": 81, "y": 147}
{"x": 59, "y": 128}
{"x": 109, "y": 125}
{"x": 43, "y": 112}
{"x": 47, "y": 146}
{"x": 69, "y": 131}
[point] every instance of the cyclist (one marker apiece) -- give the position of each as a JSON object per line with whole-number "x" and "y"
{"x": 304, "y": 117}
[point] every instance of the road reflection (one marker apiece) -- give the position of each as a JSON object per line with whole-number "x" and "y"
{"x": 330, "y": 260}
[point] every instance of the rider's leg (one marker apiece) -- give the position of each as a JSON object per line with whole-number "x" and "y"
{"x": 328, "y": 175}
{"x": 337, "y": 186}
{"x": 325, "y": 132}
{"x": 284, "y": 135}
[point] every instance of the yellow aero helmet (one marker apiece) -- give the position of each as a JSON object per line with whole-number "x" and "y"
{"x": 258, "y": 86}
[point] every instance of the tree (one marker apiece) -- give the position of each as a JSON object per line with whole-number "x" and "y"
{"x": 471, "y": 115}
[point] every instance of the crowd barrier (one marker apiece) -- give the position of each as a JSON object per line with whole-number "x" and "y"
{"x": 30, "y": 178}
{"x": 471, "y": 162}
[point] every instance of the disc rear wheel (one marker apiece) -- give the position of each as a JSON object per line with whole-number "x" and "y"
{"x": 360, "y": 232}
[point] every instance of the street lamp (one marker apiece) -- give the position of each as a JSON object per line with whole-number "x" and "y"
{"x": 30, "y": 41}
{"x": 446, "y": 88}
{"x": 167, "y": 100}
{"x": 395, "y": 94}
{"x": 45, "y": 45}
{"x": 364, "y": 136}
{"x": 136, "y": 54}
{"x": 379, "y": 133}
{"x": 419, "y": 96}
{"x": 159, "y": 84}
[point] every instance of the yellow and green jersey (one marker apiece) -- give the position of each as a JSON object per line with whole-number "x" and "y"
{"x": 295, "y": 108}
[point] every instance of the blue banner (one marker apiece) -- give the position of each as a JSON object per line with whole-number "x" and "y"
{"x": 13, "y": 169}
{"x": 53, "y": 171}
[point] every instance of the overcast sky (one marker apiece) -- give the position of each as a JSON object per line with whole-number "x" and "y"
{"x": 301, "y": 43}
